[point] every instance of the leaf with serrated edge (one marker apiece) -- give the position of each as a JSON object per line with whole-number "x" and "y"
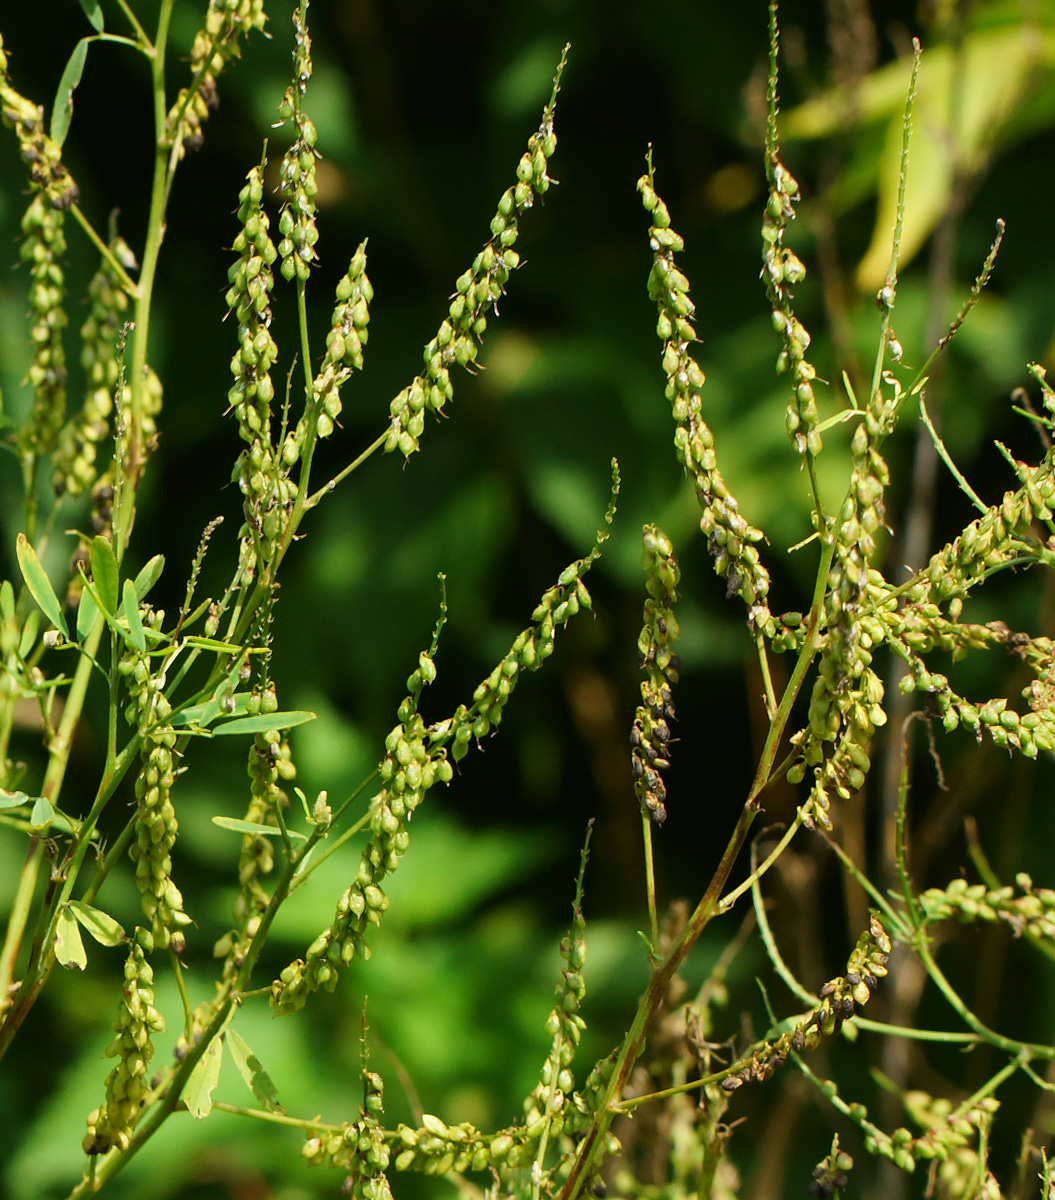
{"x": 262, "y": 722}
{"x": 102, "y": 927}
{"x": 252, "y": 1071}
{"x": 104, "y": 574}
{"x": 39, "y": 584}
{"x": 197, "y": 1095}
{"x": 69, "y": 949}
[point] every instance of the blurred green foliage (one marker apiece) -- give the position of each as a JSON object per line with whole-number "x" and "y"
{"x": 422, "y": 108}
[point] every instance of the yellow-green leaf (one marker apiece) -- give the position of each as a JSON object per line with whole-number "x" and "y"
{"x": 104, "y": 574}
{"x": 262, "y": 722}
{"x": 102, "y": 927}
{"x": 69, "y": 949}
{"x": 42, "y": 815}
{"x": 252, "y": 1071}
{"x": 87, "y": 611}
{"x": 149, "y": 575}
{"x": 39, "y": 584}
{"x": 203, "y": 1079}
{"x": 130, "y": 608}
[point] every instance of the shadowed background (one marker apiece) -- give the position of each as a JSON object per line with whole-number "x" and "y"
{"x": 423, "y": 110}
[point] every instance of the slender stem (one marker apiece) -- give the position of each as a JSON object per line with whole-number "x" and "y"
{"x": 152, "y": 248}
{"x": 730, "y": 898}
{"x": 767, "y": 678}
{"x": 946, "y": 458}
{"x": 1010, "y": 1045}
{"x": 129, "y": 285}
{"x": 343, "y": 474}
{"x": 181, "y": 984}
{"x": 261, "y": 1114}
{"x": 140, "y": 33}
{"x": 16, "y": 926}
{"x": 650, "y": 883}
{"x": 662, "y": 973}
{"x": 901, "y": 828}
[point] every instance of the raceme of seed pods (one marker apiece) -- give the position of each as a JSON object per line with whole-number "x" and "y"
{"x": 206, "y": 672}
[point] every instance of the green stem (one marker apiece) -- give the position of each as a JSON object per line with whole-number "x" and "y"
{"x": 901, "y": 830}
{"x": 1009, "y": 1045}
{"x": 662, "y": 973}
{"x": 750, "y": 882}
{"x": 125, "y": 279}
{"x": 16, "y": 926}
{"x": 343, "y": 474}
{"x": 650, "y": 884}
{"x": 151, "y": 250}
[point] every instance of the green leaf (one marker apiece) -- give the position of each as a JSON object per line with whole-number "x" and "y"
{"x": 28, "y": 638}
{"x": 204, "y": 714}
{"x": 203, "y": 643}
{"x": 197, "y": 1095}
{"x": 104, "y": 574}
{"x": 252, "y": 1071}
{"x": 39, "y": 585}
{"x": 262, "y": 722}
{"x": 102, "y": 927}
{"x": 239, "y": 826}
{"x": 7, "y": 601}
{"x": 14, "y": 799}
{"x": 87, "y": 611}
{"x": 62, "y": 110}
{"x": 149, "y": 575}
{"x": 94, "y": 13}
{"x": 130, "y": 607}
{"x": 69, "y": 949}
{"x": 42, "y": 815}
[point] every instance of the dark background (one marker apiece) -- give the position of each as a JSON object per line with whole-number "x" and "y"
{"x": 423, "y": 110}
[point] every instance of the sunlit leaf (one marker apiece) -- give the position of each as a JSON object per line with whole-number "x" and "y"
{"x": 130, "y": 608}
{"x": 69, "y": 949}
{"x": 87, "y": 611}
{"x": 240, "y": 826}
{"x": 43, "y": 813}
{"x": 104, "y": 574}
{"x": 39, "y": 585}
{"x": 197, "y": 1095}
{"x": 984, "y": 82}
{"x": 203, "y": 714}
{"x": 252, "y": 1071}
{"x": 14, "y": 799}
{"x": 149, "y": 575}
{"x": 262, "y": 722}
{"x": 102, "y": 927}
{"x": 28, "y": 638}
